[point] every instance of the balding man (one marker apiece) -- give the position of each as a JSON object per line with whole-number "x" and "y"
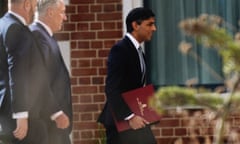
{"x": 20, "y": 67}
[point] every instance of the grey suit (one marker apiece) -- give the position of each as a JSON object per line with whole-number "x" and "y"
{"x": 59, "y": 94}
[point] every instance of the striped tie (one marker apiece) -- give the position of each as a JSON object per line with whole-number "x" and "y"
{"x": 142, "y": 62}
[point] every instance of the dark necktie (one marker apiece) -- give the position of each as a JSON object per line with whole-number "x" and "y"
{"x": 56, "y": 49}
{"x": 142, "y": 62}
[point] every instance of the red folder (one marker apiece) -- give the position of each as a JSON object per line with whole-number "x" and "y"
{"x": 137, "y": 101}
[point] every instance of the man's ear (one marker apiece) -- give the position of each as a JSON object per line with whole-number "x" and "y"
{"x": 135, "y": 25}
{"x": 50, "y": 12}
{"x": 27, "y": 5}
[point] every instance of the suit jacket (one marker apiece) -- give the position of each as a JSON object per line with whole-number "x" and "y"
{"x": 59, "y": 95}
{"x": 21, "y": 68}
{"x": 123, "y": 74}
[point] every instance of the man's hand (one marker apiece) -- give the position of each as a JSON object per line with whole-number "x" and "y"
{"x": 137, "y": 122}
{"x": 62, "y": 121}
{"x": 22, "y": 128}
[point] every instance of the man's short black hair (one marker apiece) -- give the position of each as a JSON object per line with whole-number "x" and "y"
{"x": 138, "y": 14}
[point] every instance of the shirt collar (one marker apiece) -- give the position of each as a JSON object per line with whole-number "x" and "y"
{"x": 18, "y": 17}
{"x": 133, "y": 40}
{"x": 46, "y": 27}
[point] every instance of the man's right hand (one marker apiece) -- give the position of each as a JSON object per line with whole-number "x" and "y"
{"x": 137, "y": 122}
{"x": 22, "y": 128}
{"x": 62, "y": 121}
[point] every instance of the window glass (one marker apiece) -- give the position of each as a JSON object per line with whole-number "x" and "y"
{"x": 166, "y": 64}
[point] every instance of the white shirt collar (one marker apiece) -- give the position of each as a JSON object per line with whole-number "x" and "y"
{"x": 133, "y": 40}
{"x": 46, "y": 27}
{"x": 19, "y": 17}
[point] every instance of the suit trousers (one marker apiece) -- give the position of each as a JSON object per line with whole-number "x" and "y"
{"x": 37, "y": 132}
{"x": 139, "y": 136}
{"x": 56, "y": 135}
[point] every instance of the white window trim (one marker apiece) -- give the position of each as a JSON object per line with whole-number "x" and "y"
{"x": 127, "y": 6}
{"x": 66, "y": 2}
{"x": 66, "y": 53}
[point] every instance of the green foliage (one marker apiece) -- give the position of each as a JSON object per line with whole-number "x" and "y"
{"x": 214, "y": 101}
{"x": 174, "y": 96}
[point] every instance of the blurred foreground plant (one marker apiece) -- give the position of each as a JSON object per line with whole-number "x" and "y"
{"x": 211, "y": 32}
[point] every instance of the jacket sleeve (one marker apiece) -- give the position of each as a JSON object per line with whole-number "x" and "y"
{"x": 115, "y": 76}
{"x": 18, "y": 46}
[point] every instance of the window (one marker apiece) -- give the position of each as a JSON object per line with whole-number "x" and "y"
{"x": 167, "y": 66}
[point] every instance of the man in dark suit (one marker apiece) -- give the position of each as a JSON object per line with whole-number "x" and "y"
{"x": 51, "y": 14}
{"x": 20, "y": 77}
{"x": 126, "y": 71}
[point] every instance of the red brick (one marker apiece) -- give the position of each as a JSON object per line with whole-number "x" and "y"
{"x": 96, "y": 8}
{"x": 84, "y": 81}
{"x": 102, "y": 88}
{"x": 73, "y": 44}
{"x": 76, "y": 135}
{"x": 109, "y": 25}
{"x": 119, "y": 25}
{"x": 103, "y": 53}
{"x": 85, "y": 125}
{"x": 84, "y": 63}
{"x": 82, "y": 17}
{"x": 97, "y": 63}
{"x": 180, "y": 132}
{"x": 83, "y": 26}
{"x": 75, "y": 99}
{"x": 96, "y": 26}
{"x": 69, "y": 27}
{"x": 100, "y": 132}
{"x": 86, "y": 134}
{"x": 119, "y": 7}
{"x": 96, "y": 44}
{"x": 89, "y": 141}
{"x": 99, "y": 98}
{"x": 167, "y": 132}
{"x": 108, "y": 1}
{"x": 70, "y": 9}
{"x": 109, "y": 43}
{"x": 103, "y": 71}
{"x": 82, "y": 1}
{"x": 85, "y": 99}
{"x": 109, "y": 34}
{"x": 83, "y": 9}
{"x": 62, "y": 36}
{"x": 166, "y": 140}
{"x": 109, "y": 16}
{"x": 84, "y": 44}
{"x": 83, "y": 54}
{"x": 73, "y": 81}
{"x": 109, "y": 8}
{"x": 86, "y": 108}
{"x": 97, "y": 80}
{"x": 86, "y": 117}
{"x": 169, "y": 122}
{"x": 83, "y": 35}
{"x": 84, "y": 71}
